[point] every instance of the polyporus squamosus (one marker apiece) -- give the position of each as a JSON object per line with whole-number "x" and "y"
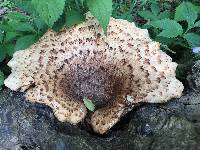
{"x": 115, "y": 71}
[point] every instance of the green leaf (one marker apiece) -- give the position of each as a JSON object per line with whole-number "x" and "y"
{"x": 10, "y": 36}
{"x": 5, "y": 28}
{"x": 193, "y": 39}
{"x": 39, "y": 23}
{"x": 197, "y": 8}
{"x": 88, "y": 103}
{"x": 25, "y": 27}
{"x": 24, "y": 5}
{"x": 1, "y": 79}
{"x": 164, "y": 40}
{"x": 17, "y": 16}
{"x": 2, "y": 53}
{"x": 49, "y": 10}
{"x": 126, "y": 16}
{"x": 197, "y": 24}
{"x": 147, "y": 15}
{"x": 20, "y": 26}
{"x": 74, "y": 17}
{"x": 170, "y": 28}
{"x": 146, "y": 26}
{"x": 102, "y": 10}
{"x": 10, "y": 49}
{"x": 82, "y": 2}
{"x": 165, "y": 14}
{"x": 59, "y": 23}
{"x": 186, "y": 12}
{"x": 155, "y": 8}
{"x": 25, "y": 41}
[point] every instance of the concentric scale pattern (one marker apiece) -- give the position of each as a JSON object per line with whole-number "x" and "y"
{"x": 115, "y": 70}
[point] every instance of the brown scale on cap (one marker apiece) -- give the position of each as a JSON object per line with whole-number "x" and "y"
{"x": 115, "y": 71}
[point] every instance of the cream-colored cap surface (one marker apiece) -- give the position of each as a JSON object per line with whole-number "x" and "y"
{"x": 119, "y": 68}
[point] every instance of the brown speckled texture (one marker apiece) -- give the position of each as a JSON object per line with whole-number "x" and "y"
{"x": 115, "y": 71}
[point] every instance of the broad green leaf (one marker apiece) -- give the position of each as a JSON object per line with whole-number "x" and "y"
{"x": 102, "y": 10}
{"x": 10, "y": 49}
{"x": 164, "y": 40}
{"x": 82, "y": 2}
{"x": 170, "y": 28}
{"x": 165, "y": 14}
{"x": 155, "y": 8}
{"x": 74, "y": 17}
{"x": 59, "y": 23}
{"x": 146, "y": 26}
{"x": 197, "y": 8}
{"x": 17, "y": 16}
{"x": 10, "y": 36}
{"x": 186, "y": 12}
{"x": 49, "y": 10}
{"x": 1, "y": 79}
{"x": 2, "y": 53}
{"x": 197, "y": 24}
{"x": 27, "y": 27}
{"x": 25, "y": 41}
{"x": 126, "y": 16}
{"x": 20, "y": 26}
{"x": 193, "y": 39}
{"x": 89, "y": 104}
{"x": 147, "y": 15}
{"x": 5, "y": 28}
{"x": 24, "y": 5}
{"x": 39, "y": 23}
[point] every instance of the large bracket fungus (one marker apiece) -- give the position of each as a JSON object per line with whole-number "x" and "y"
{"x": 115, "y": 71}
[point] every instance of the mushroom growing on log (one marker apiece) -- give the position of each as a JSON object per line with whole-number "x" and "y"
{"x": 115, "y": 71}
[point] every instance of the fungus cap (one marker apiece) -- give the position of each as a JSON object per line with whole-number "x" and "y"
{"x": 115, "y": 70}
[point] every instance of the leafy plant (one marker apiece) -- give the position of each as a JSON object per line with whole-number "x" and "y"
{"x": 74, "y": 17}
{"x": 49, "y": 10}
{"x": 124, "y": 9}
{"x": 177, "y": 32}
{"x": 18, "y": 32}
{"x": 165, "y": 25}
